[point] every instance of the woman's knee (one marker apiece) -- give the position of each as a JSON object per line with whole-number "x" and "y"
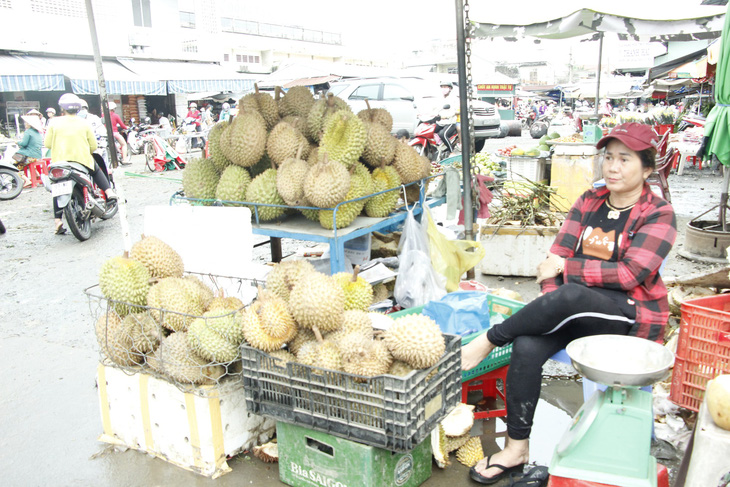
{"x": 528, "y": 349}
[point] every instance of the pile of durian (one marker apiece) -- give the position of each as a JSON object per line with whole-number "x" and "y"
{"x": 175, "y": 324}
{"x": 298, "y": 151}
{"x": 310, "y": 318}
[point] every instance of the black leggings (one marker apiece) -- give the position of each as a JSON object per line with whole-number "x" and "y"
{"x": 447, "y": 132}
{"x": 545, "y": 326}
{"x": 100, "y": 178}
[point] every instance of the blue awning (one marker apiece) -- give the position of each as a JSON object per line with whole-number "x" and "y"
{"x": 190, "y": 76}
{"x": 17, "y": 74}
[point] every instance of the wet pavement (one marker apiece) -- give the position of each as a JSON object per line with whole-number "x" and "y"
{"x": 50, "y": 416}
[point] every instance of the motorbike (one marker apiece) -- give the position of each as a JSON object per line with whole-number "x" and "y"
{"x": 11, "y": 183}
{"x": 135, "y": 136}
{"x": 80, "y": 198}
{"x": 427, "y": 141}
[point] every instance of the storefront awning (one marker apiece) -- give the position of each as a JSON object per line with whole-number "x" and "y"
{"x": 190, "y": 77}
{"x": 17, "y": 74}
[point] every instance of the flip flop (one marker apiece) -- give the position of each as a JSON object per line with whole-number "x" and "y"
{"x": 506, "y": 471}
{"x": 60, "y": 230}
{"x": 535, "y": 477}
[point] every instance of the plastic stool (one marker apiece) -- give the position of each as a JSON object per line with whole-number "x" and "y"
{"x": 34, "y": 169}
{"x": 694, "y": 160}
{"x": 487, "y": 384}
{"x": 662, "y": 480}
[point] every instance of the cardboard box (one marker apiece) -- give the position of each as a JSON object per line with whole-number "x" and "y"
{"x": 197, "y": 432}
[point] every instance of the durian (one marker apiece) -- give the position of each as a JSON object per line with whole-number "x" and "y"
{"x": 358, "y": 292}
{"x": 284, "y": 142}
{"x": 416, "y": 340}
{"x": 362, "y": 356}
{"x": 361, "y": 184}
{"x": 290, "y": 179}
{"x": 144, "y": 332}
{"x": 232, "y": 185}
{"x": 244, "y": 142}
{"x": 268, "y": 452}
{"x": 263, "y": 190}
{"x": 438, "y": 447}
{"x": 320, "y": 353}
{"x": 380, "y": 206}
{"x": 323, "y": 108}
{"x": 317, "y": 301}
{"x": 217, "y": 157}
{"x": 353, "y": 321}
{"x": 200, "y": 180}
{"x": 297, "y": 101}
{"x": 459, "y": 421}
{"x": 456, "y": 442}
{"x": 158, "y": 257}
{"x": 285, "y": 275}
{"x": 380, "y": 116}
{"x": 344, "y": 137}
{"x": 175, "y": 359}
{"x": 255, "y": 331}
{"x": 263, "y": 103}
{"x": 303, "y": 336}
{"x": 216, "y": 338}
{"x": 125, "y": 282}
{"x": 115, "y": 342}
{"x": 326, "y": 184}
{"x": 379, "y": 145}
{"x": 410, "y": 165}
{"x": 471, "y": 452}
{"x": 399, "y": 368}
{"x": 175, "y": 302}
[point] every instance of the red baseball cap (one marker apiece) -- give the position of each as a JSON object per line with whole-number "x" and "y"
{"x": 636, "y": 136}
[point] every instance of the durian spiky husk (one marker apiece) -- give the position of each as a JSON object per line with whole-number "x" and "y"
{"x": 459, "y": 421}
{"x": 361, "y": 184}
{"x": 303, "y": 336}
{"x": 268, "y": 452}
{"x": 275, "y": 319}
{"x": 264, "y": 104}
{"x": 175, "y": 302}
{"x": 158, "y": 257}
{"x": 200, "y": 180}
{"x": 115, "y": 341}
{"x": 326, "y": 184}
{"x": 471, "y": 452}
{"x": 453, "y": 443}
{"x": 297, "y": 101}
{"x": 400, "y": 368}
{"x": 324, "y": 354}
{"x": 284, "y": 142}
{"x": 232, "y": 185}
{"x": 323, "y": 108}
{"x": 256, "y": 334}
{"x": 317, "y": 301}
{"x": 410, "y": 165}
{"x": 358, "y": 292}
{"x": 263, "y": 190}
{"x": 125, "y": 282}
{"x": 344, "y": 138}
{"x": 290, "y": 179}
{"x": 438, "y": 447}
{"x": 210, "y": 344}
{"x": 363, "y": 356}
{"x": 285, "y": 275}
{"x": 354, "y": 321}
{"x": 416, "y": 340}
{"x": 244, "y": 142}
{"x": 380, "y": 116}
{"x": 379, "y": 145}
{"x": 175, "y": 359}
{"x": 383, "y": 178}
{"x": 217, "y": 157}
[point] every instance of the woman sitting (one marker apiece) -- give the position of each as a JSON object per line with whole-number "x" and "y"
{"x": 31, "y": 146}
{"x": 601, "y": 276}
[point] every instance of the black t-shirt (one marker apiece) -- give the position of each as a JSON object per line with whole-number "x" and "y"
{"x": 602, "y": 236}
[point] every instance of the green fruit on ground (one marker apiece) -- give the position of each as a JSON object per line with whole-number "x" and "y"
{"x": 284, "y": 142}
{"x": 158, "y": 257}
{"x": 543, "y": 147}
{"x": 217, "y": 157}
{"x": 297, "y": 101}
{"x": 554, "y": 135}
{"x": 232, "y": 185}
{"x": 361, "y": 184}
{"x": 326, "y": 184}
{"x": 323, "y": 108}
{"x": 358, "y": 292}
{"x": 244, "y": 142}
{"x": 310, "y": 308}
{"x": 263, "y": 190}
{"x": 125, "y": 282}
{"x": 344, "y": 137}
{"x": 263, "y": 103}
{"x": 175, "y": 303}
{"x": 380, "y": 206}
{"x": 200, "y": 180}
{"x": 175, "y": 359}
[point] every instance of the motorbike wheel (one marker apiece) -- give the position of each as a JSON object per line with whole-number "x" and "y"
{"x": 74, "y": 212}
{"x": 538, "y": 129}
{"x": 11, "y": 184}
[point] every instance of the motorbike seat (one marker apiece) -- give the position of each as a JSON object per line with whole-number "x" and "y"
{"x": 69, "y": 165}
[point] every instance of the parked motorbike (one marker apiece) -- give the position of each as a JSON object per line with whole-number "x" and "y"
{"x": 11, "y": 183}
{"x": 427, "y": 142}
{"x": 135, "y": 137}
{"x": 80, "y": 198}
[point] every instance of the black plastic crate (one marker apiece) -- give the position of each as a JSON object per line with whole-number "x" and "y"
{"x": 394, "y": 413}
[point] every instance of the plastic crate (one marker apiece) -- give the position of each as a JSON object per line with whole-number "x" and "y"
{"x": 498, "y": 306}
{"x": 394, "y": 413}
{"x": 526, "y": 168}
{"x": 703, "y": 350}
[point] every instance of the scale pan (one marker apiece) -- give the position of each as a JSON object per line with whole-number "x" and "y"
{"x": 620, "y": 360}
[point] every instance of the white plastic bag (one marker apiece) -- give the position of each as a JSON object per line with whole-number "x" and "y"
{"x": 417, "y": 282}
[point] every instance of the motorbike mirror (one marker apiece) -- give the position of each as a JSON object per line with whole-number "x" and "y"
{"x": 447, "y": 106}
{"x": 407, "y": 98}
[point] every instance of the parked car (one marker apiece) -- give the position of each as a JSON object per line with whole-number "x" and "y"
{"x": 408, "y": 98}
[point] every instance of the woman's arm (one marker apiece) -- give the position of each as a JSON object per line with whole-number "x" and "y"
{"x": 25, "y": 142}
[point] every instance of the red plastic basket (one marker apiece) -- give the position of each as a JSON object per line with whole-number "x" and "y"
{"x": 703, "y": 351}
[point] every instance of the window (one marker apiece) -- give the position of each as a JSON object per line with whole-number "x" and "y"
{"x": 141, "y": 13}
{"x": 226, "y": 58}
{"x": 257, "y": 59}
{"x": 239, "y": 58}
{"x": 187, "y": 19}
{"x": 395, "y": 92}
{"x": 370, "y": 92}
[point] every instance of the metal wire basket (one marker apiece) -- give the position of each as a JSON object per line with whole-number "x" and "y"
{"x": 130, "y": 337}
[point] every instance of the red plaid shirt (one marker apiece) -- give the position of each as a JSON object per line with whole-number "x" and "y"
{"x": 647, "y": 239}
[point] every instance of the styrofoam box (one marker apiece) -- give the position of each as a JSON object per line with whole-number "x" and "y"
{"x": 194, "y": 431}
{"x": 710, "y": 462}
{"x": 530, "y": 168}
{"x": 514, "y": 251}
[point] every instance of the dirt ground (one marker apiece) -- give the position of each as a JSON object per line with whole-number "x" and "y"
{"x": 50, "y": 416}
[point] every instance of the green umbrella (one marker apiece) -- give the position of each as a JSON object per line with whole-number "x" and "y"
{"x": 717, "y": 127}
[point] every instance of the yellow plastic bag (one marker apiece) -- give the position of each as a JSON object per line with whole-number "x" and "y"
{"x": 452, "y": 258}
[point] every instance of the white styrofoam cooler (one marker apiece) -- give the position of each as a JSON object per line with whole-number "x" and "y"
{"x": 514, "y": 251}
{"x": 710, "y": 461}
{"x": 197, "y": 432}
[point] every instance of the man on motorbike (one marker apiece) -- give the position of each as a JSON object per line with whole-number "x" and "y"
{"x": 116, "y": 123}
{"x": 448, "y": 115}
{"x": 70, "y": 139}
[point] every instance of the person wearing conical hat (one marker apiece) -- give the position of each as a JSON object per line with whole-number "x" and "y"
{"x": 31, "y": 144}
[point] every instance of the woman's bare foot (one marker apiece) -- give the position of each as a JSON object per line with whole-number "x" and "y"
{"x": 516, "y": 452}
{"x": 475, "y": 351}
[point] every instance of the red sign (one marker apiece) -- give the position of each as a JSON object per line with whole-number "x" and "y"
{"x": 495, "y": 87}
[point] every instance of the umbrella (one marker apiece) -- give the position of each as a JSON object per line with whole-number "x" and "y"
{"x": 717, "y": 128}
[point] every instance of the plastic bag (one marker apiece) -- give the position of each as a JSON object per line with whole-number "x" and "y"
{"x": 452, "y": 258}
{"x": 417, "y": 282}
{"x": 460, "y": 313}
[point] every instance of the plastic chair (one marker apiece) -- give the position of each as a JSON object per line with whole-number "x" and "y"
{"x": 487, "y": 385}
{"x": 661, "y": 172}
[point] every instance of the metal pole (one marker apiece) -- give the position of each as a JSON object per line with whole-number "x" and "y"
{"x": 598, "y": 75}
{"x": 465, "y": 134}
{"x": 111, "y": 143}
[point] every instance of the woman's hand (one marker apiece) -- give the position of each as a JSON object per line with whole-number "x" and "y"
{"x": 551, "y": 267}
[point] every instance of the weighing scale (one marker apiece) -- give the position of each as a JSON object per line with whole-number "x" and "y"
{"x": 610, "y": 438}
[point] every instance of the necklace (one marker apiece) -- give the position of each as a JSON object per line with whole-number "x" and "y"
{"x": 615, "y": 213}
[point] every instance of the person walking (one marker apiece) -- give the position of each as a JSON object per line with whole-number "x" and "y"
{"x": 70, "y": 139}
{"x": 116, "y": 123}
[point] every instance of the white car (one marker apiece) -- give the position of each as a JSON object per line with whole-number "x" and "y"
{"x": 407, "y": 98}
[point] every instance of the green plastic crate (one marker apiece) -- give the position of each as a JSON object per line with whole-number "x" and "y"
{"x": 498, "y": 306}
{"x": 312, "y": 458}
